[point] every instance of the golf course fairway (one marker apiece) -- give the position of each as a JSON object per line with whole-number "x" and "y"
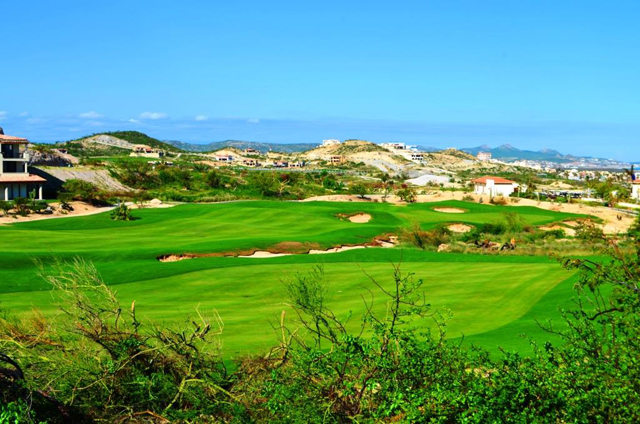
{"x": 486, "y": 294}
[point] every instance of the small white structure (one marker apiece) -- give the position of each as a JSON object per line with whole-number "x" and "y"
{"x": 494, "y": 186}
{"x": 635, "y": 189}
{"x": 330, "y": 142}
{"x": 484, "y": 156}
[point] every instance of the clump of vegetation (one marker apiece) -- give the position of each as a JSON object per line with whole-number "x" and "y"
{"x": 498, "y": 200}
{"x": 407, "y": 194}
{"x": 422, "y": 239}
{"x": 121, "y": 213}
{"x": 84, "y": 191}
{"x": 589, "y": 231}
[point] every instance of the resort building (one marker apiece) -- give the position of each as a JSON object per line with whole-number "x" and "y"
{"x": 251, "y": 152}
{"x": 15, "y": 180}
{"x": 484, "y": 156}
{"x": 494, "y": 186}
{"x": 635, "y": 189}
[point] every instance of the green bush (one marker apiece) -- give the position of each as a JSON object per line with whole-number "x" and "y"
{"x": 121, "y": 213}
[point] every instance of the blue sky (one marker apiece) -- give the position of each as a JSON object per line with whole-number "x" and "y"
{"x": 556, "y": 74}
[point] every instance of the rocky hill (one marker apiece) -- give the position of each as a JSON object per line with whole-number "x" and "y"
{"x": 241, "y": 145}
{"x": 117, "y": 142}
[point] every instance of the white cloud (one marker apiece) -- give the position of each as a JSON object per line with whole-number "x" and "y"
{"x": 25, "y": 114}
{"x": 253, "y": 121}
{"x": 202, "y": 118}
{"x": 153, "y": 115}
{"x": 135, "y": 121}
{"x": 90, "y": 115}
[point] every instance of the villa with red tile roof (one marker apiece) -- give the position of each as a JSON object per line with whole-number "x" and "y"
{"x": 494, "y": 186}
{"x": 15, "y": 180}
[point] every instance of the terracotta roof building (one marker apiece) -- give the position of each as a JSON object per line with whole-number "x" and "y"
{"x": 15, "y": 180}
{"x": 494, "y": 186}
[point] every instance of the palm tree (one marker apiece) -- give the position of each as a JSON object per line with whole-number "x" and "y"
{"x": 631, "y": 173}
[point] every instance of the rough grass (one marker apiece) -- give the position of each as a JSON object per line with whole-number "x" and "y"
{"x": 485, "y": 293}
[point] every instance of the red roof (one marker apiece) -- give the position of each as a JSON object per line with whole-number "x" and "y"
{"x": 21, "y": 178}
{"x": 635, "y": 182}
{"x": 11, "y": 139}
{"x": 496, "y": 180}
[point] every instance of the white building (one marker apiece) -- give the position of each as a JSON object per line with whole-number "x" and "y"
{"x": 484, "y": 156}
{"x": 330, "y": 142}
{"x": 15, "y": 180}
{"x": 494, "y": 186}
{"x": 635, "y": 190}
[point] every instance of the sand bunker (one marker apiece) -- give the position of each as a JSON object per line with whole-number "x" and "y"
{"x": 264, "y": 254}
{"x": 389, "y": 241}
{"x": 460, "y": 228}
{"x": 358, "y": 218}
{"x": 449, "y": 210}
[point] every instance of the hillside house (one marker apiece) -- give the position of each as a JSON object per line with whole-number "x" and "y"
{"x": 336, "y": 159}
{"x": 251, "y": 152}
{"x": 15, "y": 180}
{"x": 224, "y": 158}
{"x": 635, "y": 189}
{"x": 484, "y": 156}
{"x": 144, "y": 151}
{"x": 251, "y": 162}
{"x": 494, "y": 186}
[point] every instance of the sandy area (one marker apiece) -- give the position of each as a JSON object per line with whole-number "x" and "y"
{"x": 568, "y": 231}
{"x": 460, "y": 228}
{"x": 614, "y": 222}
{"x": 361, "y": 218}
{"x": 79, "y": 209}
{"x": 449, "y": 210}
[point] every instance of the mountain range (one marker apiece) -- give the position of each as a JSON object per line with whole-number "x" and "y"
{"x": 508, "y": 153}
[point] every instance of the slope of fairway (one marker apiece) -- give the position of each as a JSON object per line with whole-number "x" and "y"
{"x": 482, "y": 294}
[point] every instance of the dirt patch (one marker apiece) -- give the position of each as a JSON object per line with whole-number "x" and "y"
{"x": 567, "y": 230}
{"x": 460, "y": 228}
{"x": 449, "y": 210}
{"x": 286, "y": 248}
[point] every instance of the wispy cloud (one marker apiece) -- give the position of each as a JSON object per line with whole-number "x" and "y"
{"x": 90, "y": 115}
{"x": 201, "y": 118}
{"x": 253, "y": 121}
{"x": 25, "y": 114}
{"x": 3, "y": 115}
{"x": 134, "y": 121}
{"x": 153, "y": 115}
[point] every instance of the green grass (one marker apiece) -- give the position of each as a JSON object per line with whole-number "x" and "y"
{"x": 486, "y": 294}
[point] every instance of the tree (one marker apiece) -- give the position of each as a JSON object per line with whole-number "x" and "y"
{"x": 81, "y": 190}
{"x": 359, "y": 190}
{"x": 213, "y": 179}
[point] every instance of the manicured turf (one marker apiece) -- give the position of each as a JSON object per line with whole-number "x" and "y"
{"x": 486, "y": 294}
